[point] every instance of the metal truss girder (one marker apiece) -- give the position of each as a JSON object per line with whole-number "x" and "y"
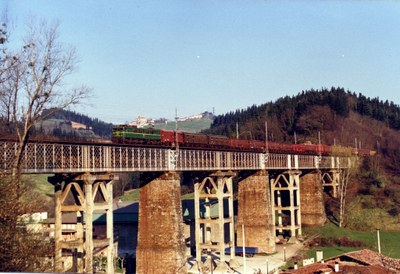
{"x": 75, "y": 158}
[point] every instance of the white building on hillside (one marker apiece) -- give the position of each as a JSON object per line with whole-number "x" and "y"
{"x": 141, "y": 121}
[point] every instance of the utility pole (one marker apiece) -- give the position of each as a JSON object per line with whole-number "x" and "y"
{"x": 176, "y": 130}
{"x": 379, "y": 241}
{"x": 244, "y": 249}
{"x": 266, "y": 137}
{"x": 319, "y": 143}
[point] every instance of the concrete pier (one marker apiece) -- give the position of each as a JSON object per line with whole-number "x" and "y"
{"x": 287, "y": 184}
{"x": 255, "y": 212}
{"x": 214, "y": 232}
{"x": 161, "y": 243}
{"x": 330, "y": 181}
{"x": 83, "y": 188}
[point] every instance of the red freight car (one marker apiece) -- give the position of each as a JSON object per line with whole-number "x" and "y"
{"x": 325, "y": 149}
{"x": 169, "y": 138}
{"x": 239, "y": 144}
{"x": 275, "y": 147}
{"x": 195, "y": 140}
{"x": 257, "y": 145}
{"x": 246, "y": 145}
{"x": 203, "y": 141}
{"x": 218, "y": 141}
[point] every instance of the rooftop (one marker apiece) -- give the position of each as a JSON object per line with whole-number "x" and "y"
{"x": 360, "y": 261}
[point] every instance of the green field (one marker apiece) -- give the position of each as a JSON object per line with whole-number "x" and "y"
{"x": 41, "y": 185}
{"x": 131, "y": 196}
{"x": 51, "y": 122}
{"x": 390, "y": 241}
{"x": 188, "y": 196}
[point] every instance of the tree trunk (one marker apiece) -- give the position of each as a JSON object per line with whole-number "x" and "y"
{"x": 344, "y": 181}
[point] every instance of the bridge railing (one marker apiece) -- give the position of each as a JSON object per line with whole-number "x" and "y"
{"x": 69, "y": 158}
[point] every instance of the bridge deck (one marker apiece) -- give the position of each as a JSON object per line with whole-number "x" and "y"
{"x": 73, "y": 158}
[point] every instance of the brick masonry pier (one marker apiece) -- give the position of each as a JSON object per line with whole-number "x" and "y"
{"x": 311, "y": 200}
{"x": 161, "y": 244}
{"x": 255, "y": 212}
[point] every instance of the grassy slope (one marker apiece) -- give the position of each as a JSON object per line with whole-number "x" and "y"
{"x": 390, "y": 241}
{"x": 363, "y": 214}
{"x": 52, "y": 122}
{"x": 41, "y": 191}
{"x": 41, "y": 185}
{"x": 188, "y": 126}
{"x": 132, "y": 195}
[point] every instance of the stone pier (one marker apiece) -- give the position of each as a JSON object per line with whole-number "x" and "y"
{"x": 161, "y": 241}
{"x": 255, "y": 212}
{"x": 311, "y": 200}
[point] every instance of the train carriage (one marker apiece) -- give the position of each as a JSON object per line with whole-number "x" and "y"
{"x": 257, "y": 145}
{"x": 239, "y": 144}
{"x": 280, "y": 147}
{"x": 218, "y": 141}
{"x": 170, "y": 138}
{"x": 194, "y": 140}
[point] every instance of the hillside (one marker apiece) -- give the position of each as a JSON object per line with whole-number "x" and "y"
{"x": 99, "y": 128}
{"x": 344, "y": 118}
{"x": 64, "y": 129}
{"x": 195, "y": 125}
{"x": 341, "y": 117}
{"x": 69, "y": 124}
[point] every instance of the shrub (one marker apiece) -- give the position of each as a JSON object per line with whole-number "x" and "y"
{"x": 342, "y": 241}
{"x": 394, "y": 211}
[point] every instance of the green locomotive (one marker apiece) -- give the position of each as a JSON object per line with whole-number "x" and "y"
{"x": 126, "y": 134}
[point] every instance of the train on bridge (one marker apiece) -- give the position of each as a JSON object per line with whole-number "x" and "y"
{"x": 132, "y": 135}
{"x": 159, "y": 138}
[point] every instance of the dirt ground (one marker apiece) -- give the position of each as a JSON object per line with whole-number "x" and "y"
{"x": 257, "y": 264}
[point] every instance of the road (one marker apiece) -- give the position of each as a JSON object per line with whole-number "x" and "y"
{"x": 260, "y": 262}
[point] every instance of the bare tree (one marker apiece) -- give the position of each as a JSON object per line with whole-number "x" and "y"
{"x": 345, "y": 179}
{"x": 33, "y": 82}
{"x": 32, "y": 87}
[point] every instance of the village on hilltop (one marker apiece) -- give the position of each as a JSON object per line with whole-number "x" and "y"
{"x": 142, "y": 121}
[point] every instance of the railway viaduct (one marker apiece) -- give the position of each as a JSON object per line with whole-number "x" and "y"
{"x": 277, "y": 194}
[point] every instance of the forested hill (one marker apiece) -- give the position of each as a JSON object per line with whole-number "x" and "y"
{"x": 305, "y": 114}
{"x": 99, "y": 127}
{"x": 342, "y": 117}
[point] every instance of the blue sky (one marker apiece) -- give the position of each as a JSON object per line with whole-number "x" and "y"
{"x": 149, "y": 57}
